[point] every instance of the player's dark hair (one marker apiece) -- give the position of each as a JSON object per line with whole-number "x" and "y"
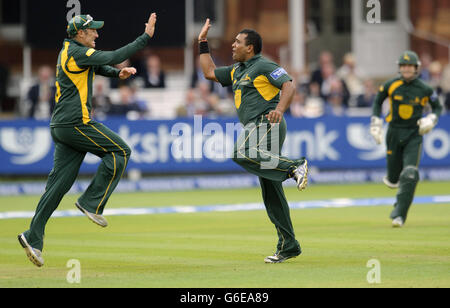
{"x": 253, "y": 38}
{"x": 72, "y": 36}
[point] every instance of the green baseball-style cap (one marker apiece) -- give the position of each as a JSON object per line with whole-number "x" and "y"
{"x": 409, "y": 58}
{"x": 81, "y": 22}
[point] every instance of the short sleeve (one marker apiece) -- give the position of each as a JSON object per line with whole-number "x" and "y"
{"x": 224, "y": 75}
{"x": 276, "y": 75}
{"x": 383, "y": 89}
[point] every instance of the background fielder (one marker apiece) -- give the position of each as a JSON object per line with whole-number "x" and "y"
{"x": 408, "y": 96}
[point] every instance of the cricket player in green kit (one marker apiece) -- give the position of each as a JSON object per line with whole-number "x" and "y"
{"x": 256, "y": 84}
{"x": 408, "y": 96}
{"x": 75, "y": 133}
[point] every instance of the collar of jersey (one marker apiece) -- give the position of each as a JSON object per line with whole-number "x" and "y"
{"x": 250, "y": 61}
{"x": 76, "y": 42}
{"x": 410, "y": 81}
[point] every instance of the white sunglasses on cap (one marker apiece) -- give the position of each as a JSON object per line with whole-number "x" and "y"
{"x": 89, "y": 19}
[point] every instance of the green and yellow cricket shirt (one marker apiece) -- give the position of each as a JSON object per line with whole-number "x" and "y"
{"x": 75, "y": 73}
{"x": 407, "y": 101}
{"x": 256, "y": 86}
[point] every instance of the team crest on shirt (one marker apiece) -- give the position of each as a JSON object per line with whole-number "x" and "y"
{"x": 278, "y": 73}
{"x": 245, "y": 81}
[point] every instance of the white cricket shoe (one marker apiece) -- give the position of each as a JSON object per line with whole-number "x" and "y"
{"x": 95, "y": 218}
{"x": 278, "y": 258}
{"x": 301, "y": 176}
{"x": 389, "y": 184}
{"x": 35, "y": 255}
{"x": 397, "y": 222}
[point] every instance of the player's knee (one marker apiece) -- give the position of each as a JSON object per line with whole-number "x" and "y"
{"x": 410, "y": 174}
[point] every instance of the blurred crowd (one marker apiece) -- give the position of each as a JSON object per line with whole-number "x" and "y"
{"x": 339, "y": 91}
{"x": 325, "y": 90}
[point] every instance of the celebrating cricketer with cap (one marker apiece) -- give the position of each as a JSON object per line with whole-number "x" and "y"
{"x": 74, "y": 132}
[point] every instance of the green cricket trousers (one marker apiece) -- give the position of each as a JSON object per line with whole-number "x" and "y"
{"x": 404, "y": 148}
{"x": 71, "y": 146}
{"x": 258, "y": 150}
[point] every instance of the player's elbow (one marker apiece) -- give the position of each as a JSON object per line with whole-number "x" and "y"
{"x": 288, "y": 86}
{"x": 212, "y": 78}
{"x": 210, "y": 75}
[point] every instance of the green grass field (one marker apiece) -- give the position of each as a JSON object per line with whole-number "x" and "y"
{"x": 226, "y": 249}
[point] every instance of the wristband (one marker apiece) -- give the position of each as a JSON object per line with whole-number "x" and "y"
{"x": 203, "y": 47}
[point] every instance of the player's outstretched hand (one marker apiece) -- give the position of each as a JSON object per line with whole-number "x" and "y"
{"x": 150, "y": 25}
{"x": 204, "y": 32}
{"x": 126, "y": 72}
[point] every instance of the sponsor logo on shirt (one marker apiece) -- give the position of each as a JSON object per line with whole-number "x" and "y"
{"x": 278, "y": 73}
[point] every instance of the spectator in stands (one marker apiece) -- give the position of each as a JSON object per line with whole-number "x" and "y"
{"x": 214, "y": 87}
{"x": 297, "y": 107}
{"x": 330, "y": 78}
{"x": 314, "y": 104}
{"x": 328, "y": 75}
{"x": 101, "y": 102}
{"x": 349, "y": 73}
{"x": 439, "y": 80}
{"x": 127, "y": 105}
{"x": 447, "y": 103}
{"x": 115, "y": 83}
{"x": 445, "y": 86}
{"x": 4, "y": 76}
{"x": 366, "y": 99}
{"x": 200, "y": 101}
{"x": 209, "y": 101}
{"x": 41, "y": 96}
{"x": 325, "y": 60}
{"x": 188, "y": 107}
{"x": 435, "y": 76}
{"x": 302, "y": 80}
{"x": 426, "y": 60}
{"x": 143, "y": 104}
{"x": 154, "y": 76}
{"x": 335, "y": 100}
{"x": 197, "y": 75}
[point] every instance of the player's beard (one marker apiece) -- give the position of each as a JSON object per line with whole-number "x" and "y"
{"x": 237, "y": 57}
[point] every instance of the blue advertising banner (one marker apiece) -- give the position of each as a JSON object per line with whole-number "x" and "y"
{"x": 206, "y": 145}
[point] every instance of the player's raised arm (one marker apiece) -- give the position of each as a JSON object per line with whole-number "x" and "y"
{"x": 91, "y": 56}
{"x": 150, "y": 25}
{"x": 206, "y": 62}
